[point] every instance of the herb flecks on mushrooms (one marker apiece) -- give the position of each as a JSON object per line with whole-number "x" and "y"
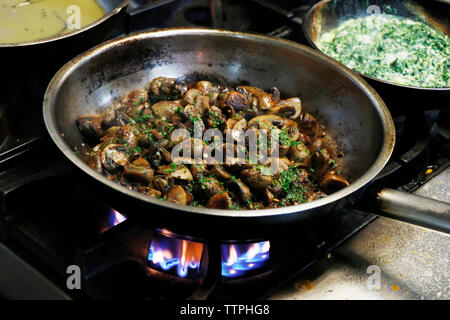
{"x": 131, "y": 144}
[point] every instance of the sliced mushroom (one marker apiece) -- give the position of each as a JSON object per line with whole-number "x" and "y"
{"x": 204, "y": 87}
{"x": 229, "y": 123}
{"x": 136, "y": 173}
{"x": 162, "y": 86}
{"x": 300, "y": 154}
{"x": 190, "y": 96}
{"x": 178, "y": 171}
{"x": 127, "y": 136}
{"x": 191, "y": 112}
{"x": 226, "y": 153}
{"x": 242, "y": 191}
{"x": 289, "y": 108}
{"x": 271, "y": 121}
{"x": 166, "y": 155}
{"x": 215, "y": 118}
{"x": 135, "y": 112}
{"x": 193, "y": 118}
{"x": 112, "y": 118}
{"x": 317, "y": 145}
{"x": 189, "y": 148}
{"x": 91, "y": 126}
{"x": 275, "y": 166}
{"x": 156, "y": 134}
{"x": 199, "y": 170}
{"x": 265, "y": 122}
{"x": 267, "y": 196}
{"x": 210, "y": 186}
{"x": 114, "y": 156}
{"x": 202, "y": 104}
{"x": 166, "y": 109}
{"x": 331, "y": 183}
{"x": 180, "y": 86}
{"x": 220, "y": 200}
{"x": 291, "y": 128}
{"x": 310, "y": 126}
{"x": 135, "y": 98}
{"x": 283, "y": 150}
{"x": 234, "y": 99}
{"x": 162, "y": 183}
{"x": 220, "y": 173}
{"x": 238, "y": 130}
{"x": 236, "y": 164}
{"x": 141, "y": 162}
{"x": 154, "y": 193}
{"x": 255, "y": 178}
{"x": 248, "y": 90}
{"x": 265, "y": 101}
{"x": 177, "y": 195}
{"x": 275, "y": 94}
{"x": 320, "y": 161}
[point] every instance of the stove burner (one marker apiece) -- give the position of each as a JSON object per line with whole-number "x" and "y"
{"x": 239, "y": 259}
{"x": 175, "y": 256}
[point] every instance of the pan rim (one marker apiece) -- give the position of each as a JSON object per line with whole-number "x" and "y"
{"x": 382, "y": 110}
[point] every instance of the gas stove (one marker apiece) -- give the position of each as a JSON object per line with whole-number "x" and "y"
{"x": 52, "y": 223}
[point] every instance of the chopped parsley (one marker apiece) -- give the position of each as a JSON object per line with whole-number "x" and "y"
{"x": 391, "y": 48}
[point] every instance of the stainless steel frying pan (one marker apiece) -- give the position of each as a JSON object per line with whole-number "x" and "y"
{"x": 344, "y": 102}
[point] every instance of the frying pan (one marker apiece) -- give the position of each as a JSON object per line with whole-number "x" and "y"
{"x": 328, "y": 14}
{"x": 352, "y": 111}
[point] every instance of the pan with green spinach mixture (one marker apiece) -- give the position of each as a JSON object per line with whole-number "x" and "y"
{"x": 132, "y": 144}
{"x": 391, "y": 48}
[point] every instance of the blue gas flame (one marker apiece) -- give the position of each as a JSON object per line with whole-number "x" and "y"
{"x": 175, "y": 255}
{"x": 115, "y": 218}
{"x": 238, "y": 259}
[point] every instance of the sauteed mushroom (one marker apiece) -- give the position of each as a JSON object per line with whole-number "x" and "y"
{"x": 162, "y": 86}
{"x": 256, "y": 179}
{"x": 136, "y": 98}
{"x": 220, "y": 200}
{"x": 90, "y": 126}
{"x": 241, "y": 189}
{"x": 166, "y": 109}
{"x": 289, "y": 108}
{"x": 332, "y": 182}
{"x": 177, "y": 195}
{"x": 113, "y": 156}
{"x": 135, "y": 146}
{"x": 133, "y": 172}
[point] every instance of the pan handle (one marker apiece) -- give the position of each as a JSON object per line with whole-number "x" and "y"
{"x": 421, "y": 211}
